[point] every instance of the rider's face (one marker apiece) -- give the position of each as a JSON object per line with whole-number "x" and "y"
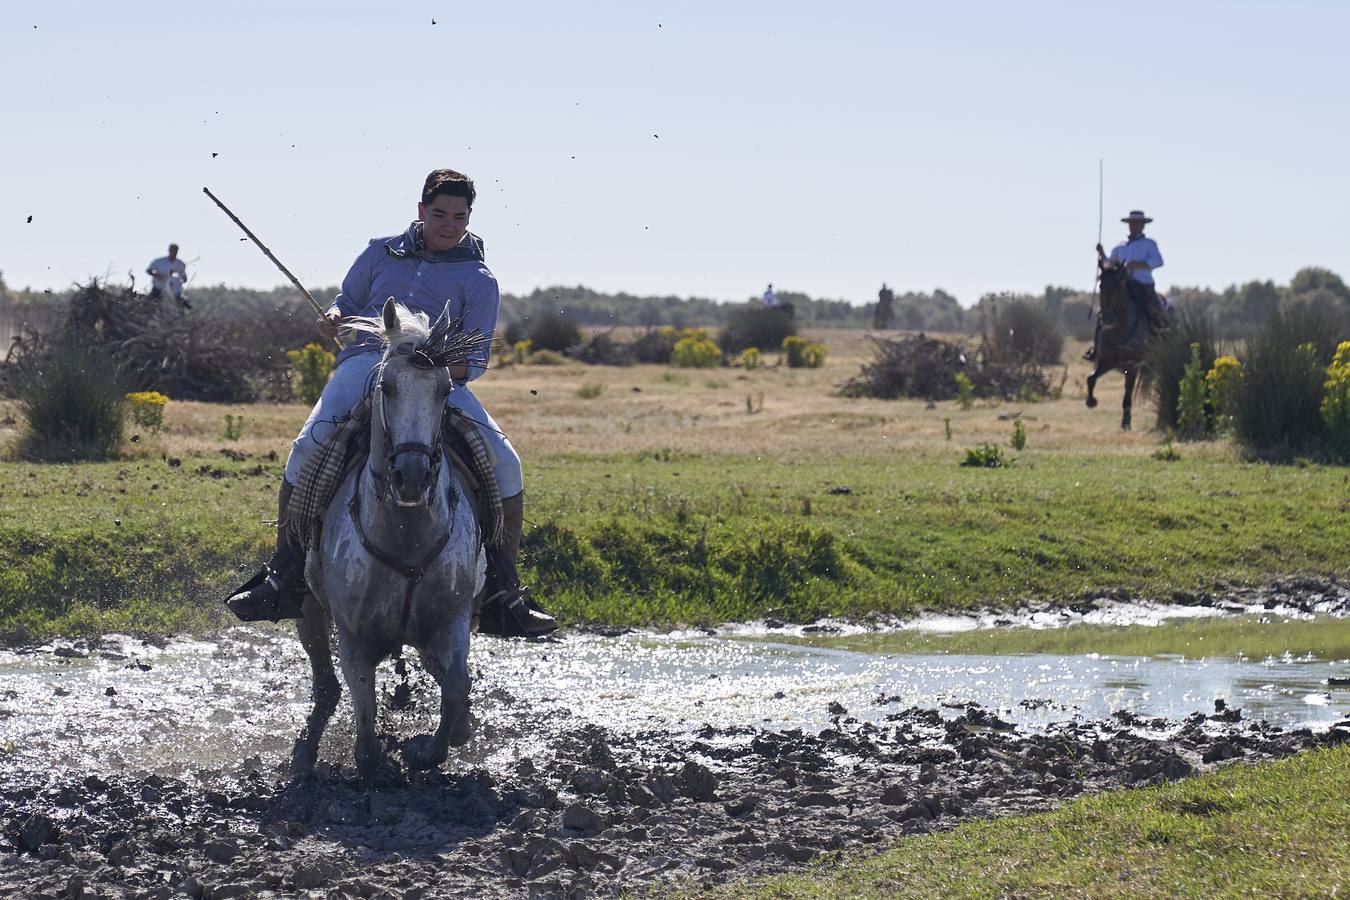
{"x": 1136, "y": 227}
{"x": 444, "y": 221}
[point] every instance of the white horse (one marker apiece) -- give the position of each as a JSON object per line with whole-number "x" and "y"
{"x": 400, "y": 558}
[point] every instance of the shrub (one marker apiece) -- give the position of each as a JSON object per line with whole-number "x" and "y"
{"x": 1022, "y": 332}
{"x": 73, "y": 403}
{"x": 1167, "y": 357}
{"x": 547, "y": 358}
{"x": 590, "y": 390}
{"x": 965, "y": 390}
{"x": 520, "y": 351}
{"x": 750, "y": 358}
{"x": 147, "y": 409}
{"x": 1192, "y": 420}
{"x": 1278, "y": 408}
{"x": 987, "y": 456}
{"x": 695, "y": 350}
{"x": 312, "y": 365}
{"x": 1167, "y": 453}
{"x": 755, "y": 325}
{"x": 803, "y": 355}
{"x": 1019, "y": 435}
{"x": 1221, "y": 386}
{"x": 602, "y": 350}
{"x": 655, "y": 346}
{"x": 234, "y": 427}
{"x": 1336, "y": 401}
{"x": 553, "y": 333}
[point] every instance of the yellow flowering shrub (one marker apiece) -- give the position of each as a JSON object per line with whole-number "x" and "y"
{"x": 147, "y": 409}
{"x": 1336, "y": 399}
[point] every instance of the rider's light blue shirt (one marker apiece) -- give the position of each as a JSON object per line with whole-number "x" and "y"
{"x": 1140, "y": 249}
{"x": 388, "y": 267}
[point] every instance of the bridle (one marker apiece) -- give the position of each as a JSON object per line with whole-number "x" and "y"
{"x": 432, "y": 452}
{"x": 411, "y": 574}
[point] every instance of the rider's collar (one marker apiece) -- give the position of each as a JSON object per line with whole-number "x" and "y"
{"x": 1135, "y": 237}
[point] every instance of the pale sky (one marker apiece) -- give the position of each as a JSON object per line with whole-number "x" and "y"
{"x": 690, "y": 148}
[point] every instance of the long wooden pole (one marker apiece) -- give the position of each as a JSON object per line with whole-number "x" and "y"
{"x": 268, "y": 253}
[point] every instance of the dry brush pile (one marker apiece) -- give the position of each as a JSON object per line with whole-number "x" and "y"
{"x": 153, "y": 346}
{"x": 927, "y": 368}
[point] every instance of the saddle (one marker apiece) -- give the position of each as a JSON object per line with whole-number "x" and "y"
{"x": 349, "y": 449}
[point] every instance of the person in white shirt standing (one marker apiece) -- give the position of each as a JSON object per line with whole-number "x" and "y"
{"x": 770, "y": 298}
{"x": 1139, "y": 255}
{"x": 168, "y": 273}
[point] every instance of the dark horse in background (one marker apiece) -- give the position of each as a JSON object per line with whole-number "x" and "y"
{"x": 1123, "y": 337}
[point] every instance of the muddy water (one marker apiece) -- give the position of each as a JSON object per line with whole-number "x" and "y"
{"x": 187, "y": 705}
{"x": 598, "y": 765}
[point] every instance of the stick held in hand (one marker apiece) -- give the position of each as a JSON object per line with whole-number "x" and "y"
{"x": 268, "y": 253}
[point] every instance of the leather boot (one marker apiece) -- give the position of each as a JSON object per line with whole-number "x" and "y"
{"x": 277, "y": 592}
{"x": 508, "y": 610}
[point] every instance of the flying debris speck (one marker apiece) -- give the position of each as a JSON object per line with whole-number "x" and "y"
{"x": 433, "y": 21}
{"x": 30, "y": 220}
{"x": 533, "y": 392}
{"x": 214, "y": 155}
{"x": 657, "y": 136}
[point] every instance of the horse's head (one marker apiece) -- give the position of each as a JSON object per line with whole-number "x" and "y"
{"x": 411, "y": 387}
{"x": 1115, "y": 291}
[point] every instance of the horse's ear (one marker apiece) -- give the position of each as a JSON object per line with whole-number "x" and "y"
{"x": 390, "y": 316}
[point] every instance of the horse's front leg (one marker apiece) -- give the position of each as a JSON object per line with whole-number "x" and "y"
{"x": 447, "y": 659}
{"x": 358, "y": 668}
{"x": 1130, "y": 376}
{"x": 1092, "y": 384}
{"x": 313, "y": 630}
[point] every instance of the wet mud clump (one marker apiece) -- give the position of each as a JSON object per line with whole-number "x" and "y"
{"x": 599, "y": 813}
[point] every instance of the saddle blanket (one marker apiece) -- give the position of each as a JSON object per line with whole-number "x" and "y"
{"x": 325, "y": 470}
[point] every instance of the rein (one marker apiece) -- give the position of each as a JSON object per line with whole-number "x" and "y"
{"x": 412, "y": 574}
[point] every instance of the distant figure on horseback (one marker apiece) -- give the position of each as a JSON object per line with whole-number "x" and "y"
{"x": 168, "y": 273}
{"x": 1132, "y": 312}
{"x": 1138, "y": 254}
{"x": 436, "y": 266}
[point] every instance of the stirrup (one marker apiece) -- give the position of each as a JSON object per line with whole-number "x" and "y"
{"x": 512, "y": 612}
{"x": 268, "y": 596}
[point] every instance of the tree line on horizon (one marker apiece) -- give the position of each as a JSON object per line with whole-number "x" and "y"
{"x": 1235, "y": 311}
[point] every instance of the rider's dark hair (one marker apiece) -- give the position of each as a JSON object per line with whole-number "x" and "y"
{"x": 450, "y": 183}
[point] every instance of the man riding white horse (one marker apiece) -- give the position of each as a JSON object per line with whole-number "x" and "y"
{"x": 436, "y": 263}
{"x": 1139, "y": 255}
{"x": 168, "y": 273}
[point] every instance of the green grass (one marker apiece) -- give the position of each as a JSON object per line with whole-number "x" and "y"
{"x": 658, "y": 537}
{"x": 1239, "y": 832}
{"x": 1256, "y": 637}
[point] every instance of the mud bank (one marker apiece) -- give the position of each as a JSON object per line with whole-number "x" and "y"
{"x": 601, "y": 813}
{"x": 1291, "y": 597}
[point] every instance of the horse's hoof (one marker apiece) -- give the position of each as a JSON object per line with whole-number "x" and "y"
{"x": 303, "y": 760}
{"x": 420, "y": 752}
{"x": 1092, "y": 403}
{"x": 380, "y": 775}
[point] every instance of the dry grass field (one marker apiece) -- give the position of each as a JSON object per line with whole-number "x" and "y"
{"x": 772, "y": 412}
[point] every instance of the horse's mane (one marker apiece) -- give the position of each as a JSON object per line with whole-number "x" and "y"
{"x": 444, "y": 342}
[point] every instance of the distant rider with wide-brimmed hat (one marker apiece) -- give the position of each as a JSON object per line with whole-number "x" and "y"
{"x": 1139, "y": 255}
